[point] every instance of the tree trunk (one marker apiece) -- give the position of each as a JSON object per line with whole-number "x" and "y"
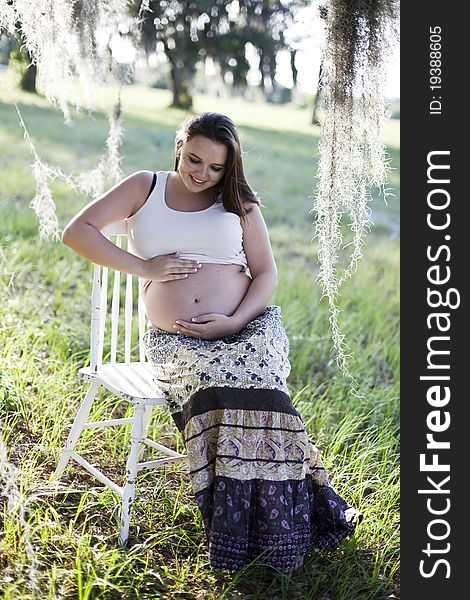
{"x": 181, "y": 88}
{"x": 318, "y": 96}
{"x": 28, "y": 79}
{"x": 295, "y": 73}
{"x": 272, "y": 72}
{"x": 261, "y": 68}
{"x": 20, "y": 60}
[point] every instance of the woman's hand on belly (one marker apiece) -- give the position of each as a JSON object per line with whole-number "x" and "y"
{"x": 168, "y": 267}
{"x": 207, "y": 327}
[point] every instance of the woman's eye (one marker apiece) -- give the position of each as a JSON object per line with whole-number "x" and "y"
{"x": 196, "y": 162}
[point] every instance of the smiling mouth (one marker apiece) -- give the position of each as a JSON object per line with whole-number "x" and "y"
{"x": 198, "y": 181}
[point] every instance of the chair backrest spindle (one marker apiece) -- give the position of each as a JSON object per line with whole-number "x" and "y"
{"x": 128, "y": 319}
{"x": 95, "y": 319}
{"x": 103, "y": 311}
{"x": 115, "y": 308}
{"x": 141, "y": 313}
{"x": 100, "y": 308}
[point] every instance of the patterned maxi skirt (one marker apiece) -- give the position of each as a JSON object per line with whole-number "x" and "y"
{"x": 258, "y": 479}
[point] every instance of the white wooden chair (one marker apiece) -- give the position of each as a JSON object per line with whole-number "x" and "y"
{"x": 131, "y": 381}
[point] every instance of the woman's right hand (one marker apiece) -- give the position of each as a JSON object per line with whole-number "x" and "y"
{"x": 168, "y": 267}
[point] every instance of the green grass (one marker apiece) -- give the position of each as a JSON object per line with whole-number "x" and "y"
{"x": 44, "y": 329}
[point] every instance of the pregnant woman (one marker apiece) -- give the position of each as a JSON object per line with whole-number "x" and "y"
{"x": 200, "y": 246}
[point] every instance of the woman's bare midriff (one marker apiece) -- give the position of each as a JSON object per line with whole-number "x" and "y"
{"x": 214, "y": 288}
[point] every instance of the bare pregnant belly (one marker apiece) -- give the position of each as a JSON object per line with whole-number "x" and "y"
{"x": 213, "y": 289}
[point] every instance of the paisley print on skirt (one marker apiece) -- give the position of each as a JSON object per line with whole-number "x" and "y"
{"x": 257, "y": 477}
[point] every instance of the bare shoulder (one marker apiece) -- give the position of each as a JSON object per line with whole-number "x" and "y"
{"x": 253, "y": 213}
{"x": 135, "y": 186}
{"x": 139, "y": 184}
{"x": 140, "y": 181}
{"x": 116, "y": 204}
{"x": 251, "y": 207}
{"x": 253, "y": 225}
{"x": 142, "y": 178}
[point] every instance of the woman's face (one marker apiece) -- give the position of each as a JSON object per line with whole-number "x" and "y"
{"x": 202, "y": 163}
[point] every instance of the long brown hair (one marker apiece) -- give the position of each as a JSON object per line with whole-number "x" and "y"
{"x": 233, "y": 188}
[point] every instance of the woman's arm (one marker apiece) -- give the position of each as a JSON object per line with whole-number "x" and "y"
{"x": 83, "y": 233}
{"x": 262, "y": 268}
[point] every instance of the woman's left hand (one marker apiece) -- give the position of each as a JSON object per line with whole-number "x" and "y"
{"x": 207, "y": 327}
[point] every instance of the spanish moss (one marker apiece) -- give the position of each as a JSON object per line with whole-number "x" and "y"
{"x": 360, "y": 35}
{"x": 69, "y": 43}
{"x": 92, "y": 183}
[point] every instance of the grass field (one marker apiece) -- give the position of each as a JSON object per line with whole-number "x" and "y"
{"x": 44, "y": 329}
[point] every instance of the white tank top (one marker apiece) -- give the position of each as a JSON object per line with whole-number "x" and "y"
{"x": 213, "y": 235}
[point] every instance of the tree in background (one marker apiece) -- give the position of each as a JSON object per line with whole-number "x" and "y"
{"x": 21, "y": 61}
{"x": 18, "y": 58}
{"x": 227, "y": 47}
{"x": 265, "y": 25}
{"x": 84, "y": 15}
{"x": 189, "y": 32}
{"x": 318, "y": 97}
{"x": 192, "y": 31}
{"x": 175, "y": 25}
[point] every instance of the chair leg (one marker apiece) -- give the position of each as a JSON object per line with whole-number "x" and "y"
{"x": 76, "y": 429}
{"x": 146, "y": 425}
{"x": 131, "y": 473}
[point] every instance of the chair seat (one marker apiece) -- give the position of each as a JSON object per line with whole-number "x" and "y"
{"x": 132, "y": 381}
